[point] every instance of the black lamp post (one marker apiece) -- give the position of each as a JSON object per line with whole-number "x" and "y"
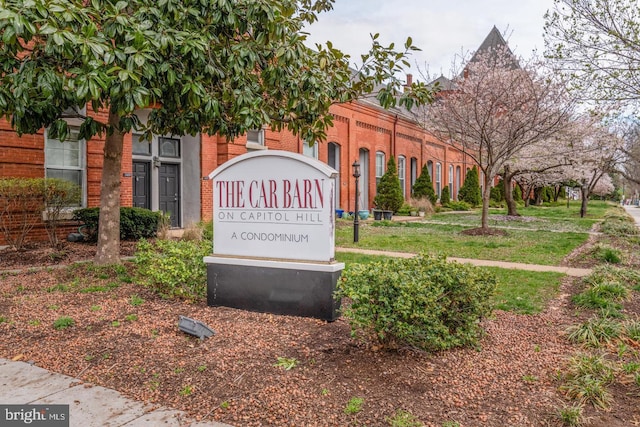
{"x": 356, "y": 217}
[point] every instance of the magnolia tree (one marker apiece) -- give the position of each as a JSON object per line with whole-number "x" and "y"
{"x": 497, "y": 109}
{"x": 206, "y": 66}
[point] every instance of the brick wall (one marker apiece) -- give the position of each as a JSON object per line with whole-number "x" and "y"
{"x": 356, "y": 126}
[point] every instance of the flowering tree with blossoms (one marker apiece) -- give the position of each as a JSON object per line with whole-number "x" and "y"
{"x": 497, "y": 109}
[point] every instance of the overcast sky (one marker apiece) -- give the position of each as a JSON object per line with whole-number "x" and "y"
{"x": 442, "y": 29}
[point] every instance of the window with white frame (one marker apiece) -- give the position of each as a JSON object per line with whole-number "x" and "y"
{"x": 66, "y": 160}
{"x": 310, "y": 150}
{"x": 451, "y": 182}
{"x": 380, "y": 164}
{"x": 438, "y": 179}
{"x": 402, "y": 173}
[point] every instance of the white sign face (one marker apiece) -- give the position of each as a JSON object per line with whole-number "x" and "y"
{"x": 274, "y": 204}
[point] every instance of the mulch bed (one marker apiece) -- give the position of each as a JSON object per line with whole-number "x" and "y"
{"x": 234, "y": 376}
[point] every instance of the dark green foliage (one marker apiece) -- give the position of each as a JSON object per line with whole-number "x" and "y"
{"x": 423, "y": 302}
{"x": 470, "y": 190}
{"x": 423, "y": 187}
{"x": 547, "y": 194}
{"x": 497, "y": 192}
{"x": 389, "y": 195}
{"x": 174, "y": 269}
{"x": 138, "y": 223}
{"x": 517, "y": 194}
{"x": 445, "y": 198}
{"x": 135, "y": 223}
{"x": 458, "y": 206}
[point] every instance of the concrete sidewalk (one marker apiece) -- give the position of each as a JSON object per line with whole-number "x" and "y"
{"x": 89, "y": 405}
{"x": 569, "y": 271}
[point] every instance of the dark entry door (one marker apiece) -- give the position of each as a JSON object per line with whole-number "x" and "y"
{"x": 142, "y": 185}
{"x": 169, "y": 186}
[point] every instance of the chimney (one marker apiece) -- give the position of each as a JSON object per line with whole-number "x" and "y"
{"x": 409, "y": 82}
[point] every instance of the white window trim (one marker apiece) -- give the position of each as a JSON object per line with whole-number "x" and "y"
{"x": 402, "y": 166}
{"x": 314, "y": 148}
{"x": 438, "y": 180}
{"x": 83, "y": 169}
{"x": 259, "y": 144}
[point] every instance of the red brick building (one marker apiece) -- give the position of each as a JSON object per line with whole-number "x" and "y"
{"x": 170, "y": 173}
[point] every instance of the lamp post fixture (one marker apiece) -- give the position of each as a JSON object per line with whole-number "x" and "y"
{"x": 356, "y": 217}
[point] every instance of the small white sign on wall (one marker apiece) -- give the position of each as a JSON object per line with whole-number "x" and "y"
{"x": 274, "y": 204}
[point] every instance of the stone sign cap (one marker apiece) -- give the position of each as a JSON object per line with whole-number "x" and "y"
{"x": 274, "y": 204}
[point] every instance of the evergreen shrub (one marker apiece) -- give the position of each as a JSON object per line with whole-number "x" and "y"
{"x": 423, "y": 187}
{"x": 445, "y": 198}
{"x": 135, "y": 223}
{"x": 470, "y": 190}
{"x": 423, "y": 302}
{"x": 174, "y": 269}
{"x": 389, "y": 196}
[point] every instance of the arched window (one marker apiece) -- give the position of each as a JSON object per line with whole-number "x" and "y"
{"x": 458, "y": 180}
{"x": 334, "y": 161}
{"x": 414, "y": 172}
{"x": 402, "y": 173}
{"x": 438, "y": 179}
{"x": 380, "y": 164}
{"x": 451, "y": 182}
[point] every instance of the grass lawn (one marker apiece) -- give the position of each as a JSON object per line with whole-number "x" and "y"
{"x": 530, "y": 247}
{"x": 525, "y": 292}
{"x": 547, "y": 217}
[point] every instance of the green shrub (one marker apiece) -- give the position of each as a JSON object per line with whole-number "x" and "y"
{"x": 138, "y": 223}
{"x": 497, "y": 192}
{"x": 135, "y": 223}
{"x": 423, "y": 187}
{"x": 389, "y": 195}
{"x": 459, "y": 206}
{"x": 405, "y": 210}
{"x": 517, "y": 194}
{"x": 445, "y": 198}
{"x": 470, "y": 190}
{"x": 174, "y": 269}
{"x": 423, "y": 302}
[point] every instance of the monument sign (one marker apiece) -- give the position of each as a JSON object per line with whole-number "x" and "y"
{"x": 274, "y": 235}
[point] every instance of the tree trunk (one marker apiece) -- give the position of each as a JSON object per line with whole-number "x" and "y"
{"x": 486, "y": 196}
{"x": 526, "y": 195}
{"x": 109, "y": 224}
{"x": 512, "y": 207}
{"x": 538, "y": 195}
{"x": 584, "y": 190}
{"x": 556, "y": 192}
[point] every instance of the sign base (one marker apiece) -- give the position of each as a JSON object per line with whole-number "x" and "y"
{"x": 280, "y": 287}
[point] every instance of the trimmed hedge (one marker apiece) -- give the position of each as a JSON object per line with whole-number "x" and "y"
{"x": 174, "y": 269}
{"x": 135, "y": 223}
{"x": 423, "y": 302}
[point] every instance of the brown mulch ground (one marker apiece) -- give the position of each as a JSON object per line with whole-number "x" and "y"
{"x": 233, "y": 376}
